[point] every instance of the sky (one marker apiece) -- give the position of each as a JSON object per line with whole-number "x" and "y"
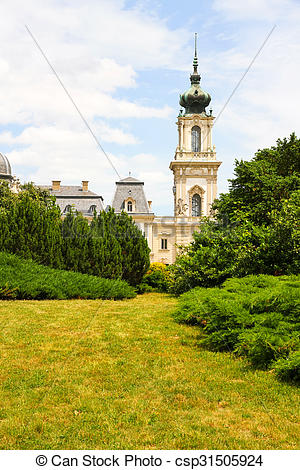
{"x": 124, "y": 63}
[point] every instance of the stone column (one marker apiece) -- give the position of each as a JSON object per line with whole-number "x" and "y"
{"x": 209, "y": 136}
{"x": 150, "y": 236}
{"x": 214, "y": 188}
{"x": 208, "y": 195}
{"x": 184, "y": 187}
{"x": 181, "y": 135}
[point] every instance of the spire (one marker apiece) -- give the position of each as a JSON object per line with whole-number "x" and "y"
{"x": 195, "y": 62}
{"x": 195, "y": 77}
{"x": 195, "y": 100}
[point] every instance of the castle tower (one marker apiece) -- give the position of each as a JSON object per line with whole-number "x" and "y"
{"x": 195, "y": 166}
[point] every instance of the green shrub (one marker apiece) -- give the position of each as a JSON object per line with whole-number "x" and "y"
{"x": 31, "y": 227}
{"x": 264, "y": 345}
{"x": 143, "y": 288}
{"x": 25, "y": 279}
{"x": 157, "y": 277}
{"x": 289, "y": 368}
{"x": 255, "y": 316}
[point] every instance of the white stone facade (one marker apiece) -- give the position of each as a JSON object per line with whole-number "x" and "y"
{"x": 195, "y": 175}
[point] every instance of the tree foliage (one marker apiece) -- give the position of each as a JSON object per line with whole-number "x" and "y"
{"x": 256, "y": 227}
{"x": 262, "y": 184}
{"x": 112, "y": 246}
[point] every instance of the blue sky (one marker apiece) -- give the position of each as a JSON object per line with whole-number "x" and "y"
{"x": 125, "y": 63}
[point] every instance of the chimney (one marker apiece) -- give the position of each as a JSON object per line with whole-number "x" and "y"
{"x": 56, "y": 185}
{"x": 150, "y": 204}
{"x": 85, "y": 185}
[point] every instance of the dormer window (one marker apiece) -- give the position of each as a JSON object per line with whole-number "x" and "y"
{"x": 92, "y": 209}
{"x": 128, "y": 205}
{"x": 67, "y": 209}
{"x": 196, "y": 139}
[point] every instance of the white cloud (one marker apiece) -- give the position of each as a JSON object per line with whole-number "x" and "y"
{"x": 100, "y": 50}
{"x": 255, "y": 9}
{"x": 265, "y": 106}
{"x": 97, "y": 48}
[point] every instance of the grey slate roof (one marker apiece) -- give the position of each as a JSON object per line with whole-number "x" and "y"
{"x": 76, "y": 198}
{"x": 71, "y": 191}
{"x": 129, "y": 179}
{"x": 5, "y": 168}
{"x": 130, "y": 187}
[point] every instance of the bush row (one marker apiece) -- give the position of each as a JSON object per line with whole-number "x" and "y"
{"x": 25, "y": 279}
{"x": 111, "y": 246}
{"x": 255, "y": 316}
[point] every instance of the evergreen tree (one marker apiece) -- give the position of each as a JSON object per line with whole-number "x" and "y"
{"x": 134, "y": 249}
{"x": 110, "y": 251}
{"x": 112, "y": 246}
{"x": 75, "y": 246}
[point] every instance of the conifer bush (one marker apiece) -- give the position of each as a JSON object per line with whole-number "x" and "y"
{"x": 256, "y": 316}
{"x": 289, "y": 368}
{"x": 112, "y": 246}
{"x": 25, "y": 279}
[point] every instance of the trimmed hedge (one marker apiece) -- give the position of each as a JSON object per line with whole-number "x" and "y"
{"x": 25, "y": 279}
{"x": 255, "y": 316}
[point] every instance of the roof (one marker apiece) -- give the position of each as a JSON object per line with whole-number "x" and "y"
{"x": 129, "y": 179}
{"x": 5, "y": 168}
{"x": 130, "y": 188}
{"x": 71, "y": 191}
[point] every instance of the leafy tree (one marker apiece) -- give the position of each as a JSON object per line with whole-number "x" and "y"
{"x": 262, "y": 184}
{"x": 256, "y": 228}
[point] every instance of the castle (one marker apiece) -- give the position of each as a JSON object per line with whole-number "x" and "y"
{"x": 195, "y": 170}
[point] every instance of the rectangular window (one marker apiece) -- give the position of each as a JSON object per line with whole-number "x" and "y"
{"x": 164, "y": 244}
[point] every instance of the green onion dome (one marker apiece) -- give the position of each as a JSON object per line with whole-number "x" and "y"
{"x": 195, "y": 100}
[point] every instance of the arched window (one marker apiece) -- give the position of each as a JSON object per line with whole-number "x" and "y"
{"x": 92, "y": 209}
{"x": 129, "y": 206}
{"x": 196, "y": 139}
{"x": 196, "y": 205}
{"x": 67, "y": 209}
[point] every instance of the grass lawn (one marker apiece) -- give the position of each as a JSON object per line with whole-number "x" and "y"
{"x": 84, "y": 374}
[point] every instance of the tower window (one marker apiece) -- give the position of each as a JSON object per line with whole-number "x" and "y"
{"x": 129, "y": 206}
{"x": 196, "y": 139}
{"x": 196, "y": 205}
{"x": 164, "y": 244}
